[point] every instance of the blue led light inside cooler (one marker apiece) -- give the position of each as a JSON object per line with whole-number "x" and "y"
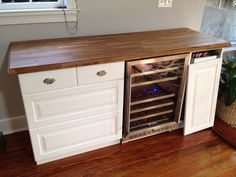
{"x": 153, "y": 90}
{"x": 145, "y": 91}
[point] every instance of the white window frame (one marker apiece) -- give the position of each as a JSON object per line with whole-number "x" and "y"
{"x": 30, "y": 5}
{"x": 39, "y": 15}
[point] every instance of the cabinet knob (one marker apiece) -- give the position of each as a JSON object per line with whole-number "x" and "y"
{"x": 101, "y": 73}
{"x": 49, "y": 81}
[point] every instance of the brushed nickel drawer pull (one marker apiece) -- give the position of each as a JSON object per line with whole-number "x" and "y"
{"x": 49, "y": 81}
{"x": 101, "y": 73}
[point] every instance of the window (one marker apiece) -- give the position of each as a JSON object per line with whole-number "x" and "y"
{"x": 37, "y": 11}
{"x": 30, "y": 4}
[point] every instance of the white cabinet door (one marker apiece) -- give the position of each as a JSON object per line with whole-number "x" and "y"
{"x": 74, "y": 137}
{"x": 44, "y": 109}
{"x": 202, "y": 91}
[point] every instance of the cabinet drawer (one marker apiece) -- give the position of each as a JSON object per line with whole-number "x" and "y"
{"x": 47, "y": 80}
{"x": 72, "y": 104}
{"x": 76, "y": 136}
{"x": 100, "y": 73}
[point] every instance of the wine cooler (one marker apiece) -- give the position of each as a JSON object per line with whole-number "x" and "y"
{"x": 154, "y": 95}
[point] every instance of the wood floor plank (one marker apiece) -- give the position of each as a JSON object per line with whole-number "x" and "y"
{"x": 166, "y": 155}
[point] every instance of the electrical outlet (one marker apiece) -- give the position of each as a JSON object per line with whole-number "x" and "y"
{"x": 165, "y": 3}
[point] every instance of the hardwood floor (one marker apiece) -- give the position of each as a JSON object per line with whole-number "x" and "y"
{"x": 203, "y": 154}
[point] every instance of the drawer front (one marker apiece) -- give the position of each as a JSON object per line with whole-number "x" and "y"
{"x": 47, "y": 80}
{"x": 73, "y": 104}
{"x": 100, "y": 73}
{"x": 79, "y": 136}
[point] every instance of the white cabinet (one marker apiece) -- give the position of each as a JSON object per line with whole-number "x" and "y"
{"x": 74, "y": 137}
{"x": 49, "y": 108}
{"x": 66, "y": 118}
{"x": 201, "y": 97}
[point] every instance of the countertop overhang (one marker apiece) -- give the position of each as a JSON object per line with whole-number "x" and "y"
{"x": 49, "y": 54}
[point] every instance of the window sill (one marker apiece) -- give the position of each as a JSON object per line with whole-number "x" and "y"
{"x": 13, "y": 17}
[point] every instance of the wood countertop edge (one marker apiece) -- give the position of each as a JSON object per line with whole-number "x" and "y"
{"x": 39, "y": 68}
{"x": 21, "y": 65}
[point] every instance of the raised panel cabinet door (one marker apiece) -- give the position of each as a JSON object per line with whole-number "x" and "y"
{"x": 201, "y": 97}
{"x": 74, "y": 137}
{"x": 59, "y": 106}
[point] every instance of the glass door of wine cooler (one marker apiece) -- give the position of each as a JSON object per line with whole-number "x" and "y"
{"x": 154, "y": 91}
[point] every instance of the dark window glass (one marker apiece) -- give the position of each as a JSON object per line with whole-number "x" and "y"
{"x": 14, "y": 1}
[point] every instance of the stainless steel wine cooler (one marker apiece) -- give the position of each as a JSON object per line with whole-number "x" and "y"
{"x": 154, "y": 95}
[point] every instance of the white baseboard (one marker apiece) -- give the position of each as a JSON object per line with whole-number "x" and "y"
{"x": 13, "y": 124}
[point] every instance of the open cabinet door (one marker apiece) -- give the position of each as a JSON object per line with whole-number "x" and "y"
{"x": 201, "y": 98}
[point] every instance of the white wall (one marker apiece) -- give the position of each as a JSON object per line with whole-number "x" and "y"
{"x": 96, "y": 17}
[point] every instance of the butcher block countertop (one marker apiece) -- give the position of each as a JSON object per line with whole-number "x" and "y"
{"x": 49, "y": 54}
